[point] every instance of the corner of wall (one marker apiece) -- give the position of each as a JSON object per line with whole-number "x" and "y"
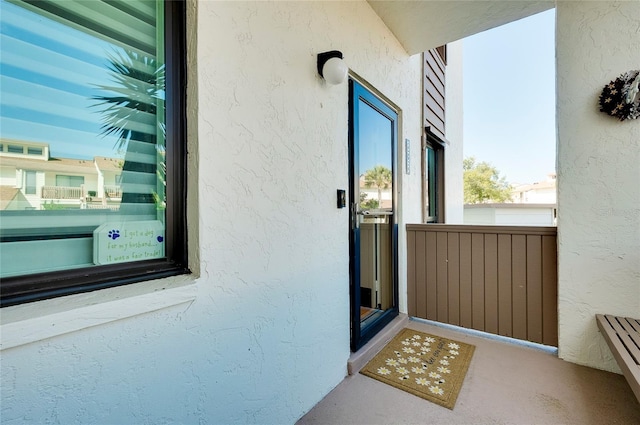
{"x": 454, "y": 127}
{"x": 193, "y": 154}
{"x": 598, "y": 194}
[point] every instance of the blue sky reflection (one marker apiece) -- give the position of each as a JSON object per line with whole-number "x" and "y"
{"x": 49, "y": 74}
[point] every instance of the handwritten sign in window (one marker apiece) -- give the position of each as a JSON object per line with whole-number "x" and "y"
{"x": 120, "y": 242}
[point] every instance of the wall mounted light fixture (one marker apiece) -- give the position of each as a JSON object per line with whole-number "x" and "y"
{"x": 331, "y": 67}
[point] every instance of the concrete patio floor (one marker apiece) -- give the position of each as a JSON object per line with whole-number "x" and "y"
{"x": 506, "y": 383}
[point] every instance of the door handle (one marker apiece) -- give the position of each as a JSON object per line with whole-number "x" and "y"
{"x": 369, "y": 213}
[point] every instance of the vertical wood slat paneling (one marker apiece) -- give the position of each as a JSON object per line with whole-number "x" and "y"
{"x": 534, "y": 288}
{"x": 491, "y": 283}
{"x": 465, "y": 280}
{"x": 504, "y": 286}
{"x": 434, "y": 92}
{"x": 432, "y": 276}
{"x": 519, "y": 286}
{"x": 453, "y": 272}
{"x": 497, "y": 279}
{"x": 477, "y": 281}
{"x": 442, "y": 289}
{"x": 411, "y": 274}
{"x": 421, "y": 276}
{"x": 549, "y": 292}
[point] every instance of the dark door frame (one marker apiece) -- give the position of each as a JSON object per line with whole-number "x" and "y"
{"x": 358, "y": 92}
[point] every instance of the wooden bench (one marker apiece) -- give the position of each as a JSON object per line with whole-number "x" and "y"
{"x": 623, "y": 336}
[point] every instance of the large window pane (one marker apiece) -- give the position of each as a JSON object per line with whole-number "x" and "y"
{"x": 82, "y": 114}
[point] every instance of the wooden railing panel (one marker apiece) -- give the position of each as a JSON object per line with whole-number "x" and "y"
{"x": 453, "y": 273}
{"x": 497, "y": 279}
{"x": 421, "y": 291}
{"x": 534, "y": 288}
{"x": 519, "y": 286}
{"x": 505, "y": 304}
{"x": 411, "y": 273}
{"x": 442, "y": 278}
{"x": 477, "y": 281}
{"x": 491, "y": 283}
{"x": 466, "y": 303}
{"x": 431, "y": 272}
{"x": 549, "y": 292}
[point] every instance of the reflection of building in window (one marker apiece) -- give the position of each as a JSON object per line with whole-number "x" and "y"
{"x": 71, "y": 181}
{"x": 30, "y": 180}
{"x": 34, "y": 151}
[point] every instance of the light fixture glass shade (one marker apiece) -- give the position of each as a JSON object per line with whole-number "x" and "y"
{"x": 334, "y": 71}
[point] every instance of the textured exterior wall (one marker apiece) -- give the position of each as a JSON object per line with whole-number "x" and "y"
{"x": 598, "y": 177}
{"x": 510, "y": 214}
{"x": 454, "y": 189}
{"x": 267, "y": 335}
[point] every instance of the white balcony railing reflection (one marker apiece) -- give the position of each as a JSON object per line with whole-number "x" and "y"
{"x": 61, "y": 192}
{"x": 112, "y": 191}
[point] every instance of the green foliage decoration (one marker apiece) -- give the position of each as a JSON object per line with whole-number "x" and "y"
{"x": 379, "y": 177}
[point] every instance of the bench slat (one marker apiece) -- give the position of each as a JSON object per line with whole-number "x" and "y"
{"x": 635, "y": 324}
{"x": 634, "y": 347}
{"x": 623, "y": 334}
{"x": 618, "y": 340}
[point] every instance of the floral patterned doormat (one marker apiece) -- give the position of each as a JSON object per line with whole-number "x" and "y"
{"x": 424, "y": 365}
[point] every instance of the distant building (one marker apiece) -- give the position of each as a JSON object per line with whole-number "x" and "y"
{"x": 535, "y": 193}
{"x": 30, "y": 179}
{"x": 532, "y": 205}
{"x": 510, "y": 214}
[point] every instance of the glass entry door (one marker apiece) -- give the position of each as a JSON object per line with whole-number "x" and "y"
{"x": 374, "y": 290}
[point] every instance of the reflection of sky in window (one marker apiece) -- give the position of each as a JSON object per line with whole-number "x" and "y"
{"x": 374, "y": 137}
{"x": 49, "y": 74}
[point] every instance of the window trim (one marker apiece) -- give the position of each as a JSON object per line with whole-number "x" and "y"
{"x": 432, "y": 141}
{"x": 34, "y": 287}
{"x": 28, "y": 188}
{"x": 15, "y": 149}
{"x": 34, "y": 151}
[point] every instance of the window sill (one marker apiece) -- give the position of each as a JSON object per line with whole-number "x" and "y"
{"x": 31, "y": 322}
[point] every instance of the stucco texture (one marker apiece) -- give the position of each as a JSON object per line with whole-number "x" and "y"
{"x": 598, "y": 177}
{"x": 267, "y": 335}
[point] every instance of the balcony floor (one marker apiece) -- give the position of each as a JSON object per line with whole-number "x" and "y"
{"x": 506, "y": 384}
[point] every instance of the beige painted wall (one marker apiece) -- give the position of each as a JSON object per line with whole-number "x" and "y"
{"x": 598, "y": 177}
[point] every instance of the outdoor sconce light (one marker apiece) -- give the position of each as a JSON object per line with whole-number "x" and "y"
{"x": 331, "y": 67}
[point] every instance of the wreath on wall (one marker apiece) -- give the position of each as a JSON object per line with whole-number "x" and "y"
{"x": 621, "y": 98}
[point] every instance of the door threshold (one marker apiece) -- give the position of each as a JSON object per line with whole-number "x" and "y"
{"x": 361, "y": 357}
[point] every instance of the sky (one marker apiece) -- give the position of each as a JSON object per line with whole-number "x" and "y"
{"x": 509, "y": 98}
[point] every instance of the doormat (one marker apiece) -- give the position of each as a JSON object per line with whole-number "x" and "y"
{"x": 424, "y": 365}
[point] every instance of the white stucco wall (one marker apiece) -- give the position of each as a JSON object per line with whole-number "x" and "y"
{"x": 260, "y": 332}
{"x": 598, "y": 177}
{"x": 510, "y": 214}
{"x": 454, "y": 189}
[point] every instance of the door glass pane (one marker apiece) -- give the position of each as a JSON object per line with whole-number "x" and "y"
{"x": 374, "y": 159}
{"x": 375, "y": 214}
